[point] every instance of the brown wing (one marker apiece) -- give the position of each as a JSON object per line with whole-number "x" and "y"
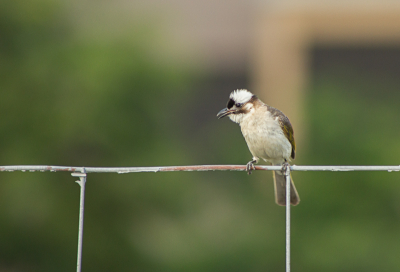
{"x": 288, "y": 131}
{"x": 286, "y": 127}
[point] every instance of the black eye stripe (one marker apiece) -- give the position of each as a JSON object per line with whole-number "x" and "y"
{"x": 230, "y": 103}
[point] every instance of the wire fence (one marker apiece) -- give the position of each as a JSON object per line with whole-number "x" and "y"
{"x": 81, "y": 173}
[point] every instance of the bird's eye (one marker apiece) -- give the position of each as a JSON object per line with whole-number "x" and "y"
{"x": 238, "y": 105}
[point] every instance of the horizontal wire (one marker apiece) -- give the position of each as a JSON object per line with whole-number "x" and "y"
{"x": 123, "y": 170}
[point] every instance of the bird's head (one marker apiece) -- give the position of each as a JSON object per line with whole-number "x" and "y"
{"x": 240, "y": 104}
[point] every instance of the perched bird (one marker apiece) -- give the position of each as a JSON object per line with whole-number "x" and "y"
{"x": 268, "y": 134}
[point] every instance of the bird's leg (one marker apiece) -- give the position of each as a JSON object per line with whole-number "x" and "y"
{"x": 250, "y": 166}
{"x": 285, "y": 165}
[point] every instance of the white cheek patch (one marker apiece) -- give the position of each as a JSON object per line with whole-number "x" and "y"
{"x": 248, "y": 107}
{"x": 239, "y": 117}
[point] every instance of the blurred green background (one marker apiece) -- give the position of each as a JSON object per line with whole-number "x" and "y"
{"x": 78, "y": 91}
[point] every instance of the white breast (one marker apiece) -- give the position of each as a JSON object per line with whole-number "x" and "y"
{"x": 265, "y": 138}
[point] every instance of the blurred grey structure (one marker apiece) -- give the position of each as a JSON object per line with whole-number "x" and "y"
{"x": 270, "y": 41}
{"x": 287, "y": 31}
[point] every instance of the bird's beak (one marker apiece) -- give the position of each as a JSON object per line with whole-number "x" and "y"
{"x": 224, "y": 112}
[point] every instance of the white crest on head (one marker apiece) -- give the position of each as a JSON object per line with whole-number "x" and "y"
{"x": 241, "y": 96}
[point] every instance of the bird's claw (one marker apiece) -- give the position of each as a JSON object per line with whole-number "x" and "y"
{"x": 285, "y": 166}
{"x": 250, "y": 167}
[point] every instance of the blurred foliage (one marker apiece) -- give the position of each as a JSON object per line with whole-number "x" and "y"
{"x": 350, "y": 221}
{"x": 69, "y": 100}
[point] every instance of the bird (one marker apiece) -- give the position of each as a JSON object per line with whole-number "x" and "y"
{"x": 269, "y": 136}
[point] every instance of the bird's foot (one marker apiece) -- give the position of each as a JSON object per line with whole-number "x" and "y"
{"x": 250, "y": 166}
{"x": 285, "y": 166}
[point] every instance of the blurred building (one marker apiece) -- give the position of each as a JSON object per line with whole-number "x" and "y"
{"x": 288, "y": 31}
{"x": 265, "y": 46}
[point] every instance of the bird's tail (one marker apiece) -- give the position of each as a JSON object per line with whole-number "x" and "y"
{"x": 280, "y": 190}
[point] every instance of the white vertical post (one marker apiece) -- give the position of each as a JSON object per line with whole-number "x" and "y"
{"x": 287, "y": 175}
{"x": 81, "y": 182}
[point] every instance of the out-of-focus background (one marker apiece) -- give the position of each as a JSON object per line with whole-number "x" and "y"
{"x": 138, "y": 83}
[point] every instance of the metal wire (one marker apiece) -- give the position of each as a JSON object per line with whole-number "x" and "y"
{"x": 123, "y": 170}
{"x": 82, "y": 183}
{"x": 79, "y": 171}
{"x": 287, "y": 176}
